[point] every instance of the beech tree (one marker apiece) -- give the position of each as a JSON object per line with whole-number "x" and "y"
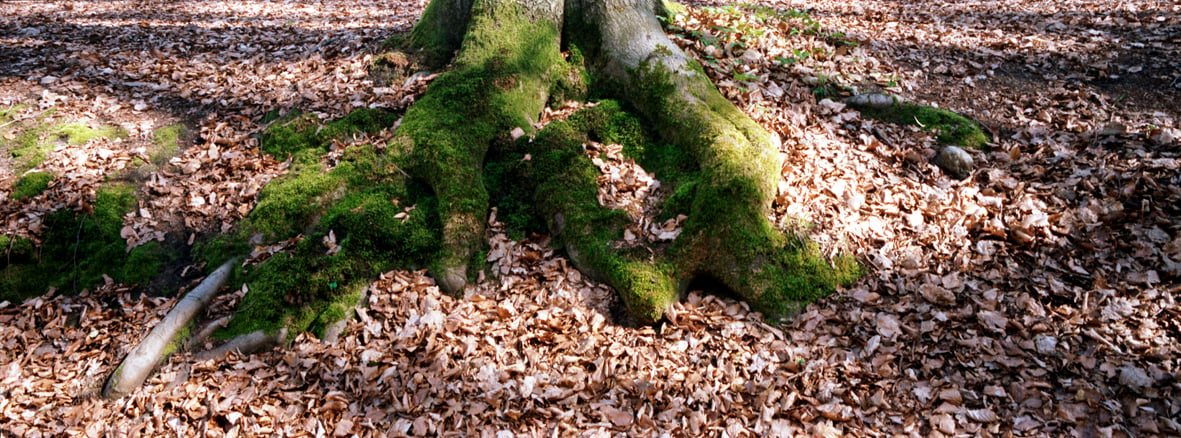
{"x": 321, "y": 233}
{"x": 471, "y": 141}
{"x": 508, "y": 58}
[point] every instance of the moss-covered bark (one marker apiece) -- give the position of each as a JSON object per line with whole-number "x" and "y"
{"x": 422, "y": 200}
{"x": 727, "y": 236}
{"x": 499, "y": 81}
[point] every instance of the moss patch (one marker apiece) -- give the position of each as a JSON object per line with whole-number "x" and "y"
{"x": 77, "y": 249}
{"x": 165, "y": 143}
{"x": 37, "y": 137}
{"x": 297, "y": 131}
{"x": 31, "y": 185}
{"x": 951, "y": 128}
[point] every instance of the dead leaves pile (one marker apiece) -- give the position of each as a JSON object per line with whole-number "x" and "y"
{"x": 1039, "y": 296}
{"x": 142, "y": 66}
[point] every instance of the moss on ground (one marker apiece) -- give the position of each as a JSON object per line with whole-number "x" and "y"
{"x": 30, "y": 185}
{"x": 77, "y": 249}
{"x": 951, "y": 128}
{"x": 37, "y": 137}
{"x": 165, "y": 143}
{"x": 297, "y": 131}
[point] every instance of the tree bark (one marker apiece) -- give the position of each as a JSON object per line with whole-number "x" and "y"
{"x": 505, "y": 59}
{"x": 162, "y": 340}
{"x": 728, "y": 236}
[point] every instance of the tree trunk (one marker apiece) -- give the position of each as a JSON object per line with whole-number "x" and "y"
{"x": 728, "y": 236}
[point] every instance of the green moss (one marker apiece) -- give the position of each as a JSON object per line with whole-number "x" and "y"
{"x": 297, "y": 132}
{"x": 165, "y": 143}
{"x": 563, "y": 181}
{"x": 362, "y": 202}
{"x": 219, "y": 248}
{"x": 290, "y": 135}
{"x": 78, "y": 249}
{"x": 338, "y": 309}
{"x": 950, "y": 127}
{"x": 291, "y": 204}
{"x": 144, "y": 262}
{"x": 395, "y": 42}
{"x": 36, "y": 138}
{"x": 76, "y": 134}
{"x": 178, "y": 341}
{"x": 15, "y": 247}
{"x": 31, "y": 185}
{"x": 439, "y": 33}
{"x": 299, "y": 290}
{"x": 727, "y": 178}
{"x": 498, "y": 82}
{"x": 9, "y": 114}
{"x": 669, "y": 11}
{"x": 647, "y": 289}
{"x": 571, "y": 83}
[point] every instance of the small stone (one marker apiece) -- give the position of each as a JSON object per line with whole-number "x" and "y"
{"x": 955, "y": 161}
{"x": 46, "y": 80}
{"x": 878, "y": 101}
{"x": 1045, "y": 344}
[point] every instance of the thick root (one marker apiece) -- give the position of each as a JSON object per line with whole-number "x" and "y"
{"x": 566, "y": 197}
{"x": 333, "y": 331}
{"x": 499, "y": 81}
{"x": 728, "y": 235}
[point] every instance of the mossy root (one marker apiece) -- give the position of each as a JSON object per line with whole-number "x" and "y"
{"x": 728, "y": 235}
{"x": 249, "y": 343}
{"x": 499, "y": 81}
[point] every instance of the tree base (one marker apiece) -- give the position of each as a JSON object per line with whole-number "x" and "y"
{"x": 471, "y": 140}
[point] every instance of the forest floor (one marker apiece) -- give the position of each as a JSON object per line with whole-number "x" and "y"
{"x": 1039, "y": 297}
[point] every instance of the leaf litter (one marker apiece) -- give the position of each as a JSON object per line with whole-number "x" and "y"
{"x": 1038, "y": 297}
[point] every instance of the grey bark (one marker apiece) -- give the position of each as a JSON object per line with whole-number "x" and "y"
{"x": 246, "y": 344}
{"x": 140, "y": 362}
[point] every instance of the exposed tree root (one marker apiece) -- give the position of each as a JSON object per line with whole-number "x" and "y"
{"x": 249, "y": 343}
{"x": 499, "y": 81}
{"x": 508, "y": 64}
{"x": 205, "y": 332}
{"x": 164, "y": 338}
